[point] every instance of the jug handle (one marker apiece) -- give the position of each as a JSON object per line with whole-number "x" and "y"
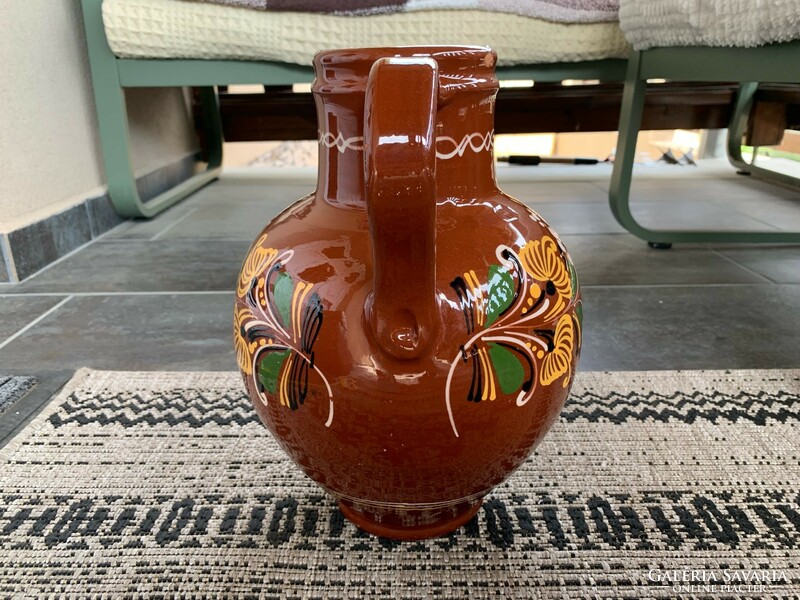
{"x": 400, "y": 163}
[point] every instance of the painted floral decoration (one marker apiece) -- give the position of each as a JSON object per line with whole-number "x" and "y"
{"x": 276, "y": 323}
{"x": 521, "y": 333}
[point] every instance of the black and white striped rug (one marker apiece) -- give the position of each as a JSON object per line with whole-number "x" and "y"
{"x": 659, "y": 484}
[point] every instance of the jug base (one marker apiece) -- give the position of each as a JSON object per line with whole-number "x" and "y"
{"x": 412, "y": 524}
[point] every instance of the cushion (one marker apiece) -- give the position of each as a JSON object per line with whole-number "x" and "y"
{"x": 176, "y": 29}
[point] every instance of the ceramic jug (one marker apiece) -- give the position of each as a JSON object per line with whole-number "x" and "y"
{"x": 408, "y": 332}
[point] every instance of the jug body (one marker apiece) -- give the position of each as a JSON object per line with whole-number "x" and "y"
{"x": 407, "y": 332}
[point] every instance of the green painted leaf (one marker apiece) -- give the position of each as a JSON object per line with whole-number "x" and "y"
{"x": 573, "y": 277}
{"x": 579, "y": 313}
{"x": 282, "y": 294}
{"x": 501, "y": 293}
{"x": 270, "y": 368}
{"x": 507, "y": 367}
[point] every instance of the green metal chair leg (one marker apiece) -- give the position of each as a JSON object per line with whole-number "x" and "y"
{"x": 630, "y": 118}
{"x": 114, "y": 134}
{"x": 619, "y": 192}
{"x": 736, "y": 131}
{"x": 738, "y": 124}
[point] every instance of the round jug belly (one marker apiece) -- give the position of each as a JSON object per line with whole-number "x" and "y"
{"x": 408, "y": 333}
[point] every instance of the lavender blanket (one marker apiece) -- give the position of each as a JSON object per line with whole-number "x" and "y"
{"x": 560, "y": 11}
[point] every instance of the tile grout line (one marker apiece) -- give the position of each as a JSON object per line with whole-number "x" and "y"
{"x": 8, "y": 259}
{"x": 678, "y": 285}
{"x": 771, "y": 227}
{"x": 598, "y": 185}
{"x": 89, "y": 219}
{"x": 57, "y": 261}
{"x": 101, "y": 294}
{"x": 38, "y": 319}
{"x": 60, "y": 258}
{"x": 743, "y": 267}
{"x": 194, "y": 238}
{"x": 173, "y": 224}
{"x": 69, "y": 254}
{"x": 231, "y": 292}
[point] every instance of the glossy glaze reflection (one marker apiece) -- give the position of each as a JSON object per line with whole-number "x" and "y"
{"x": 408, "y": 332}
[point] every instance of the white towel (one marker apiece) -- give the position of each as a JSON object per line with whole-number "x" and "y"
{"x": 747, "y": 23}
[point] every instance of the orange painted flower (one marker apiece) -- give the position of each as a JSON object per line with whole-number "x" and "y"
{"x": 558, "y": 361}
{"x": 258, "y": 258}
{"x": 240, "y": 317}
{"x": 543, "y": 261}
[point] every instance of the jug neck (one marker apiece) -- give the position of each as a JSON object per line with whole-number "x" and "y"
{"x": 464, "y": 130}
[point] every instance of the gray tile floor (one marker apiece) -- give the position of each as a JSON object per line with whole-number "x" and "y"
{"x": 156, "y": 295}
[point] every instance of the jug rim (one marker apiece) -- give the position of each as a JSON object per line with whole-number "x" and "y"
{"x": 461, "y": 67}
{"x": 349, "y": 54}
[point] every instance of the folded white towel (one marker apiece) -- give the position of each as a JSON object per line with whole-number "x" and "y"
{"x": 174, "y": 29}
{"x": 658, "y": 23}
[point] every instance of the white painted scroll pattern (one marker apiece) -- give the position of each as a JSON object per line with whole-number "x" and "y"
{"x": 341, "y": 143}
{"x": 477, "y": 142}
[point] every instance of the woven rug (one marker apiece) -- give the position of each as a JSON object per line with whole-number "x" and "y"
{"x": 660, "y": 484}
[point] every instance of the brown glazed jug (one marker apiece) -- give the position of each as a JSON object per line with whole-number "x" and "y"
{"x": 408, "y": 332}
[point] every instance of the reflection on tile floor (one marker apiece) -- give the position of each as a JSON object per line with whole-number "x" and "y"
{"x": 157, "y": 294}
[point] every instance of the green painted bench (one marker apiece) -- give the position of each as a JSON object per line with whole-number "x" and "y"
{"x": 776, "y": 63}
{"x": 111, "y": 75}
